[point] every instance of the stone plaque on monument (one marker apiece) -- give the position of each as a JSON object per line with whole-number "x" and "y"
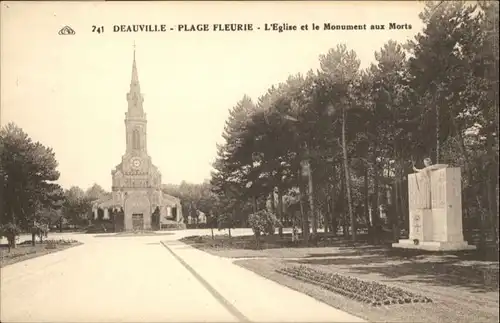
{"x": 419, "y": 196}
{"x": 435, "y": 208}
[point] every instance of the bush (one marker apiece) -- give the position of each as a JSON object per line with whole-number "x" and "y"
{"x": 10, "y": 231}
{"x": 263, "y": 222}
{"x": 40, "y": 229}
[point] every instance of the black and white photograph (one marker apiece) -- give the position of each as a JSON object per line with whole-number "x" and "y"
{"x": 249, "y": 161}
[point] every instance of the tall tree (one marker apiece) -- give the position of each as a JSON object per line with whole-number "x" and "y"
{"x": 340, "y": 73}
{"x": 28, "y": 171}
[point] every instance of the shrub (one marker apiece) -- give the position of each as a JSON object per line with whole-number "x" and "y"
{"x": 40, "y": 229}
{"x": 10, "y": 231}
{"x": 263, "y": 222}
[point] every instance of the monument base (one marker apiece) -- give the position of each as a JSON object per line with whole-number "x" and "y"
{"x": 434, "y": 245}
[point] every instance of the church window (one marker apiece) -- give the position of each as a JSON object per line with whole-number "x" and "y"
{"x": 136, "y": 144}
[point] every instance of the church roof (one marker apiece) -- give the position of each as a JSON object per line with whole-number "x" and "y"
{"x": 171, "y": 199}
{"x": 110, "y": 203}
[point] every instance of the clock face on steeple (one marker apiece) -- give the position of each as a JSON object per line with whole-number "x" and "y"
{"x": 136, "y": 163}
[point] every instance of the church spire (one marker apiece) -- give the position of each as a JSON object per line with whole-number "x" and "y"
{"x": 135, "y": 77}
{"x": 134, "y": 96}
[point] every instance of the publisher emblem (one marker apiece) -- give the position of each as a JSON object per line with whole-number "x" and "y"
{"x": 66, "y": 30}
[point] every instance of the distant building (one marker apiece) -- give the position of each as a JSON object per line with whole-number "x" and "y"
{"x": 137, "y": 201}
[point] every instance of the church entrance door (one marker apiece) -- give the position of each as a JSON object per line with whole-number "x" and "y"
{"x": 137, "y": 221}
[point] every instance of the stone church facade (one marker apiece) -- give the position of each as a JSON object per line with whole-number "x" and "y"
{"x": 137, "y": 201}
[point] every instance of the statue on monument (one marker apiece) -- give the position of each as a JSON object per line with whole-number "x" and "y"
{"x": 428, "y": 167}
{"x": 423, "y": 194}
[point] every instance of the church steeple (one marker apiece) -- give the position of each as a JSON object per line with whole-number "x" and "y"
{"x": 135, "y": 118}
{"x": 134, "y": 84}
{"x": 134, "y": 96}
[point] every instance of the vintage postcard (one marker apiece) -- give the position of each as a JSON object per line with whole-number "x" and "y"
{"x": 249, "y": 161}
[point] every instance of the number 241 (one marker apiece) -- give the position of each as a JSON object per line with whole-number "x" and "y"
{"x": 99, "y": 29}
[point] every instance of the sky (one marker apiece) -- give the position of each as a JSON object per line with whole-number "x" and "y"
{"x": 69, "y": 91}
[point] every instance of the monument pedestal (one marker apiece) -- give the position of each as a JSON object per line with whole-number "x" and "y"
{"x": 433, "y": 245}
{"x": 435, "y": 202}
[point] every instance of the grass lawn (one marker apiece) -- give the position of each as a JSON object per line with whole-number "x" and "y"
{"x": 462, "y": 287}
{"x": 25, "y": 250}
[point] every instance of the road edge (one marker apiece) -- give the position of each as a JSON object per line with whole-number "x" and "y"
{"x": 223, "y": 301}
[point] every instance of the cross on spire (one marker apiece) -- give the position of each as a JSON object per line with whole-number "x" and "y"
{"x": 135, "y": 78}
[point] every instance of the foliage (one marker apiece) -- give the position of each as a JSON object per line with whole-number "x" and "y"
{"x": 195, "y": 198}
{"x": 40, "y": 229}
{"x": 360, "y": 131}
{"x": 263, "y": 222}
{"x": 28, "y": 171}
{"x": 77, "y": 206}
{"x": 96, "y": 192}
{"x": 10, "y": 231}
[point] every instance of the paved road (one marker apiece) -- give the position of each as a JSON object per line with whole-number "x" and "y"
{"x": 113, "y": 279}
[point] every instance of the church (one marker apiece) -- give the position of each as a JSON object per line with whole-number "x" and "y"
{"x": 137, "y": 201}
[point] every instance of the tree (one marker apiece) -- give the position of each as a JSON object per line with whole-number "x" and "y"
{"x": 263, "y": 222}
{"x": 359, "y": 131}
{"x": 340, "y": 71}
{"x": 460, "y": 40}
{"x": 77, "y": 206}
{"x": 96, "y": 192}
{"x": 28, "y": 170}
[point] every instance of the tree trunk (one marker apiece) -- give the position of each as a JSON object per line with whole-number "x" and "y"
{"x": 312, "y": 205}
{"x": 492, "y": 214}
{"x": 257, "y": 239}
{"x": 403, "y": 193}
{"x": 492, "y": 187}
{"x": 305, "y": 220}
{"x": 376, "y": 203}
{"x": 467, "y": 190}
{"x": 273, "y": 202}
{"x": 327, "y": 213}
{"x": 366, "y": 197}
{"x": 280, "y": 210}
{"x": 438, "y": 144}
{"x": 347, "y": 176}
{"x": 333, "y": 216}
{"x": 342, "y": 211}
{"x": 482, "y": 228}
{"x": 11, "y": 241}
{"x": 395, "y": 200}
{"x": 310, "y": 186}
{"x": 395, "y": 225}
